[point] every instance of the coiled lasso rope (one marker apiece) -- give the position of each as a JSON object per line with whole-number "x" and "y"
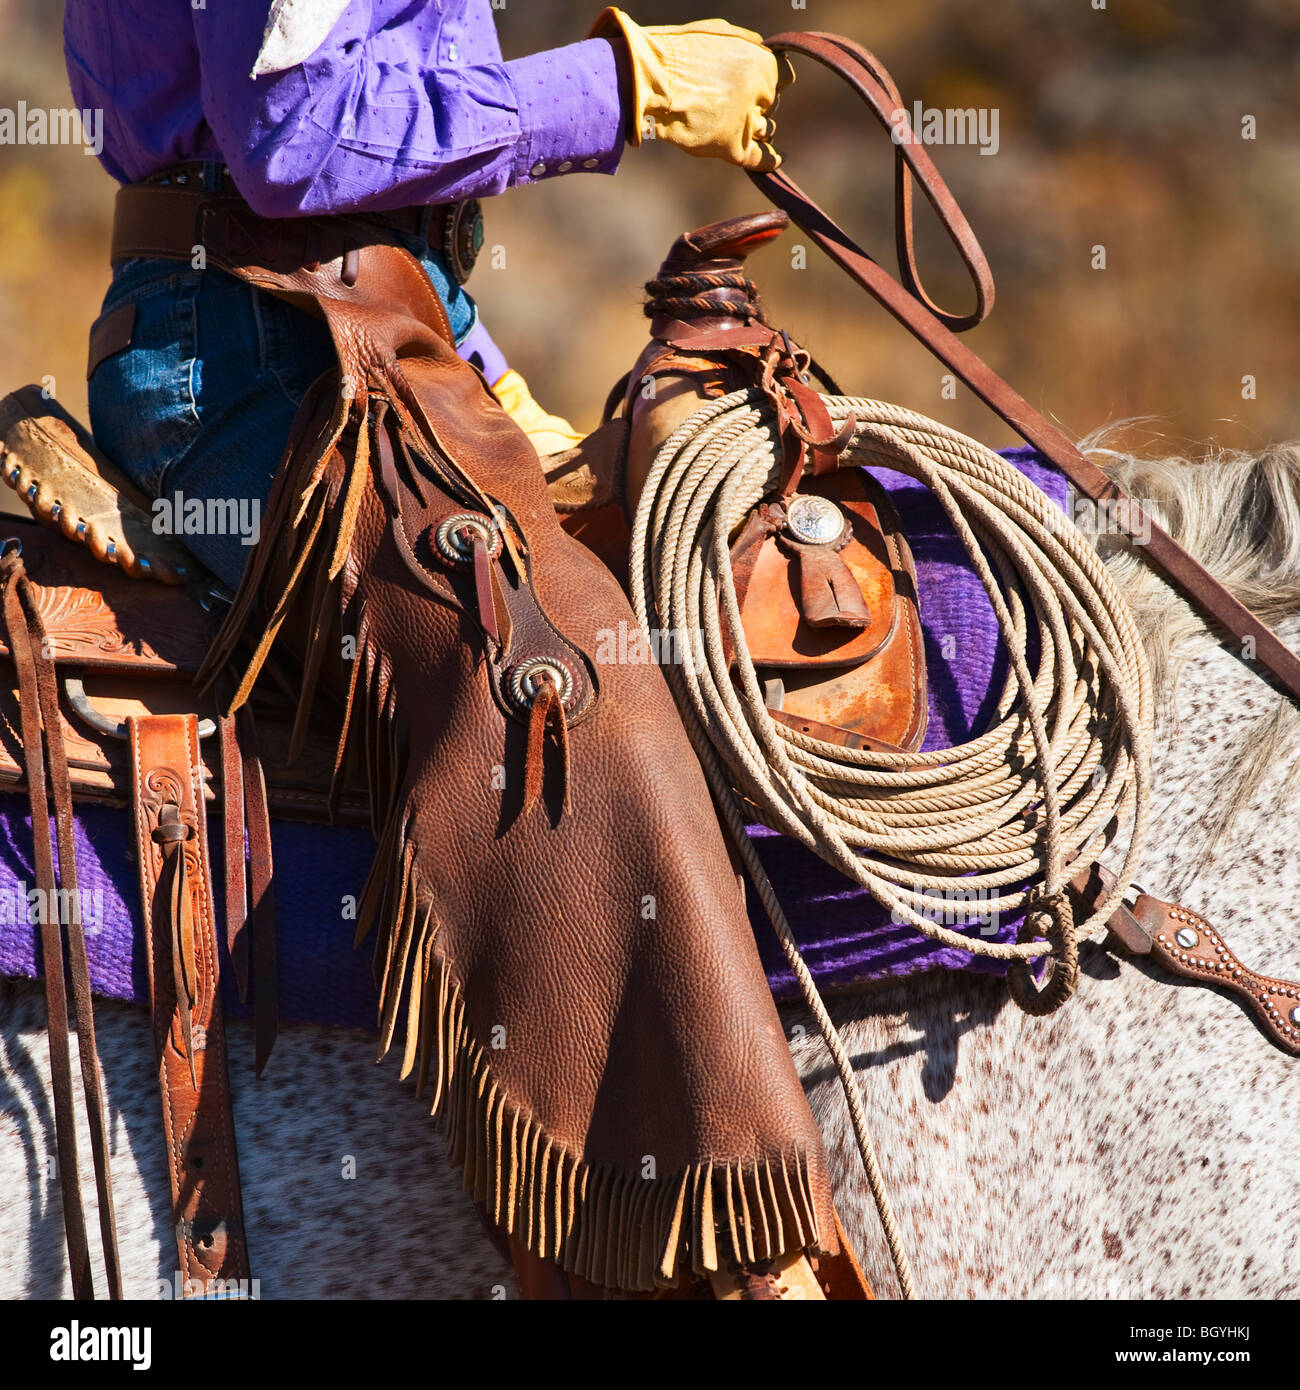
{"x": 1063, "y": 767}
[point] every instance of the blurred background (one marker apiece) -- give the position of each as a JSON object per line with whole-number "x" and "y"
{"x": 1118, "y": 127}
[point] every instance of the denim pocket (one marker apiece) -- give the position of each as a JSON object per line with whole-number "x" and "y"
{"x": 142, "y": 406}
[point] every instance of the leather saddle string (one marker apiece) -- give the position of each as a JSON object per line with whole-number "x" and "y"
{"x": 232, "y": 801}
{"x": 261, "y": 874}
{"x": 245, "y": 811}
{"x": 42, "y": 738}
{"x": 908, "y": 304}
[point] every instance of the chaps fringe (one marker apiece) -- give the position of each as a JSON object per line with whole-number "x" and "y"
{"x": 613, "y": 1227}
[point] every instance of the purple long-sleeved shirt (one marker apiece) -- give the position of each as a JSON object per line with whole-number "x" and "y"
{"x": 404, "y": 102}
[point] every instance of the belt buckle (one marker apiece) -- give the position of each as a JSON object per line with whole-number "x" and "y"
{"x": 462, "y": 237}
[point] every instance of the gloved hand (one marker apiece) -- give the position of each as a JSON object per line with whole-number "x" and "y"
{"x": 549, "y": 434}
{"x": 705, "y": 87}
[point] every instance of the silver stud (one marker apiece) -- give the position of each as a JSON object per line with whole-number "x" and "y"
{"x": 1186, "y": 938}
{"x": 590, "y": 163}
{"x": 453, "y": 53}
{"x": 564, "y": 166}
{"x": 813, "y": 519}
{"x": 538, "y": 169}
{"x": 1294, "y": 1015}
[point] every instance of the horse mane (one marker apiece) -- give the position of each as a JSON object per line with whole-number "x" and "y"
{"x": 1238, "y": 513}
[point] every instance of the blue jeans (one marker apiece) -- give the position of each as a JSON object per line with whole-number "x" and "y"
{"x": 201, "y": 401}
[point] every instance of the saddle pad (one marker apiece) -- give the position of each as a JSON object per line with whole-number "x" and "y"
{"x": 846, "y": 937}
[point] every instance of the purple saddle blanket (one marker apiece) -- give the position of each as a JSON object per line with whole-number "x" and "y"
{"x": 845, "y": 936}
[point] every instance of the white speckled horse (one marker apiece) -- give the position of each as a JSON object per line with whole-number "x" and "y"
{"x": 1138, "y": 1143}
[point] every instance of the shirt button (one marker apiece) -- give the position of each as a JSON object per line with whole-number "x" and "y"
{"x": 564, "y": 167}
{"x": 538, "y": 169}
{"x": 590, "y": 163}
{"x": 453, "y": 53}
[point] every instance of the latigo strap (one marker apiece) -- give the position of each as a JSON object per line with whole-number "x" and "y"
{"x": 909, "y": 303}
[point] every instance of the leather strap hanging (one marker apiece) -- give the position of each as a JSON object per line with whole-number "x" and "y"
{"x": 42, "y": 742}
{"x": 247, "y": 813}
{"x": 936, "y": 328}
{"x": 176, "y": 893}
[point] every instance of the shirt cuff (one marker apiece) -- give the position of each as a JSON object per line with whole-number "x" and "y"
{"x": 570, "y": 111}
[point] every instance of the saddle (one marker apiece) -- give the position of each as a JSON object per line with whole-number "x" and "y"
{"x": 474, "y": 727}
{"x": 825, "y": 578}
{"x": 99, "y": 701}
{"x": 127, "y": 649}
{"x": 410, "y": 529}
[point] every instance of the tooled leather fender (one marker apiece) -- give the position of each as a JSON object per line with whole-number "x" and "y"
{"x": 584, "y": 996}
{"x": 176, "y": 890}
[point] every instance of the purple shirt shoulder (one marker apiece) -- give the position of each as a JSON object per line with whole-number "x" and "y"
{"x": 401, "y": 104}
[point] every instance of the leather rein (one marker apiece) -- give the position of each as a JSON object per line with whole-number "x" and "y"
{"x": 906, "y": 298}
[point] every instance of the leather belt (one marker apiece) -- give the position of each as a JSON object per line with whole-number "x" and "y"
{"x": 167, "y": 220}
{"x": 176, "y": 893}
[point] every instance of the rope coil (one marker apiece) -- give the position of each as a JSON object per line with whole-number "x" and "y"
{"x": 1006, "y": 816}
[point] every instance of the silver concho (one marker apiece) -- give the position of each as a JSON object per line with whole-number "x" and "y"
{"x": 450, "y": 542}
{"x": 1186, "y": 938}
{"x": 814, "y": 520}
{"x": 526, "y": 679}
{"x": 1294, "y": 1015}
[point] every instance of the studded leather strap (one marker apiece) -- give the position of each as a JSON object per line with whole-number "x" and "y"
{"x": 1188, "y": 945}
{"x": 189, "y": 1036}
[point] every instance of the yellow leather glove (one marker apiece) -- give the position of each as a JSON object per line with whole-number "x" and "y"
{"x": 550, "y": 434}
{"x": 705, "y": 87}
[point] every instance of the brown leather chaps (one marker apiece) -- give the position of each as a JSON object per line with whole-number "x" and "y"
{"x": 562, "y": 943}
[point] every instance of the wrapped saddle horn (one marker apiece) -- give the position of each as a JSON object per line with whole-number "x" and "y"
{"x": 823, "y": 572}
